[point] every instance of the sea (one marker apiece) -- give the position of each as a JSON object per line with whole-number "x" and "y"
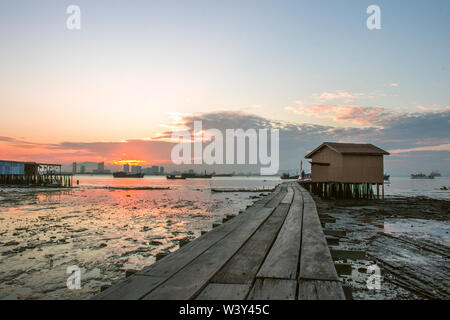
{"x": 106, "y": 226}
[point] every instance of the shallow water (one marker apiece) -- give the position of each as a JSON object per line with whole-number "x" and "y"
{"x": 104, "y": 231}
{"x": 418, "y": 187}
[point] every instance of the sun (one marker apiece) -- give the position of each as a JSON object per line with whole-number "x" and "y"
{"x": 129, "y": 162}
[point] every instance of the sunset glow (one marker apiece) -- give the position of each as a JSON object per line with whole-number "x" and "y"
{"x": 129, "y": 162}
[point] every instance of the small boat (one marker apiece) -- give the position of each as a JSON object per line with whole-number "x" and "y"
{"x": 174, "y": 177}
{"x": 223, "y": 175}
{"x": 122, "y": 174}
{"x": 435, "y": 174}
{"x": 421, "y": 176}
{"x": 386, "y": 177}
{"x": 196, "y": 176}
{"x": 285, "y": 176}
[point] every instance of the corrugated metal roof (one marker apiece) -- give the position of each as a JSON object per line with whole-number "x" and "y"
{"x": 350, "y": 148}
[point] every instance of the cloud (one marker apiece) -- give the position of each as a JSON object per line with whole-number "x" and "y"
{"x": 346, "y": 114}
{"x": 337, "y": 95}
{"x": 441, "y": 147}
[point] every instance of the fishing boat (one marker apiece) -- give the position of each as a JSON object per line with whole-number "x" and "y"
{"x": 191, "y": 175}
{"x": 285, "y": 176}
{"x": 122, "y": 174}
{"x": 420, "y": 175}
{"x": 386, "y": 177}
{"x": 223, "y": 175}
{"x": 435, "y": 174}
{"x": 174, "y": 177}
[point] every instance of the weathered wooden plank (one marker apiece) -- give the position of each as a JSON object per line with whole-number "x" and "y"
{"x": 275, "y": 201}
{"x": 289, "y": 196}
{"x": 244, "y": 265}
{"x": 283, "y": 258}
{"x": 187, "y": 282}
{"x": 263, "y": 201}
{"x": 315, "y": 258}
{"x": 224, "y": 291}
{"x": 320, "y": 290}
{"x": 188, "y": 253}
{"x": 273, "y": 289}
{"x": 132, "y": 288}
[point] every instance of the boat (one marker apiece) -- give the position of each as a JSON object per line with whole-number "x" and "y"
{"x": 435, "y": 174}
{"x": 174, "y": 177}
{"x": 122, "y": 174}
{"x": 420, "y": 175}
{"x": 386, "y": 177}
{"x": 196, "y": 176}
{"x": 223, "y": 175}
{"x": 285, "y": 176}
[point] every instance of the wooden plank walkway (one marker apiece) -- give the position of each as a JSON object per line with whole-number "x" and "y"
{"x": 275, "y": 250}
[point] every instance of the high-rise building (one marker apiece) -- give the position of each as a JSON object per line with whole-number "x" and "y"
{"x": 74, "y": 168}
{"x": 161, "y": 170}
{"x": 136, "y": 169}
{"x": 126, "y": 168}
{"x": 101, "y": 169}
{"x": 82, "y": 169}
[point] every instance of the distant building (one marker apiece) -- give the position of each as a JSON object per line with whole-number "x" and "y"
{"x": 161, "y": 170}
{"x": 347, "y": 163}
{"x": 155, "y": 170}
{"x": 136, "y": 169}
{"x": 82, "y": 169}
{"x": 126, "y": 168}
{"x": 101, "y": 169}
{"x": 74, "y": 168}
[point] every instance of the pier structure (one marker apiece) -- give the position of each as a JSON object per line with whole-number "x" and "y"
{"x": 340, "y": 190}
{"x": 274, "y": 250}
{"x": 33, "y": 174}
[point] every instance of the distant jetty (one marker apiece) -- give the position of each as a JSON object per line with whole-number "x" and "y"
{"x": 33, "y": 174}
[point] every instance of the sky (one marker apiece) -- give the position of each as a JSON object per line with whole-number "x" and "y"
{"x": 138, "y": 69}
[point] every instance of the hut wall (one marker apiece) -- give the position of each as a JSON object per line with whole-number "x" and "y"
{"x": 362, "y": 168}
{"x": 332, "y": 172}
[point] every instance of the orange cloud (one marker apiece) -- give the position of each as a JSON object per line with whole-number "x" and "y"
{"x": 441, "y": 147}
{"x": 345, "y": 113}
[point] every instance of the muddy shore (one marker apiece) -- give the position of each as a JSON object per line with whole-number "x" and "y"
{"x": 407, "y": 237}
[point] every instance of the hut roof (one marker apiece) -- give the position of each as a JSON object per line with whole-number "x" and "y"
{"x": 350, "y": 148}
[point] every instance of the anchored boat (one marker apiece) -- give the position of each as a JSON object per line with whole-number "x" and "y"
{"x": 127, "y": 175}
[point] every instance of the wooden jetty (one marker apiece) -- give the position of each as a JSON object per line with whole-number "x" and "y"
{"x": 275, "y": 250}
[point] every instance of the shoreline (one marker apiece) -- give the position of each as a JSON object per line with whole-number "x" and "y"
{"x": 407, "y": 237}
